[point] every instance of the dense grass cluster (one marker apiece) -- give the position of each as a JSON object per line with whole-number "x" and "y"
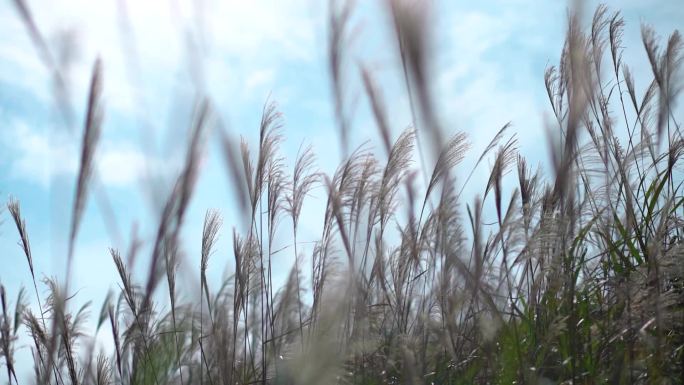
{"x": 579, "y": 278}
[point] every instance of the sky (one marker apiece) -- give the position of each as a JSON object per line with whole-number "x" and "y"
{"x": 488, "y": 64}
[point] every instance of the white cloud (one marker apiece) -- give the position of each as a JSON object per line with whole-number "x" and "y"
{"x": 120, "y": 167}
{"x": 37, "y": 157}
{"x": 245, "y": 45}
{"x": 477, "y": 83}
{"x": 259, "y": 28}
{"x": 243, "y": 34}
{"x": 258, "y": 79}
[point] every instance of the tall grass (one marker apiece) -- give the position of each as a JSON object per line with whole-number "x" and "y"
{"x": 578, "y": 279}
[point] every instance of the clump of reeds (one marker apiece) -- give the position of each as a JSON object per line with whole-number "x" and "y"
{"x": 577, "y": 277}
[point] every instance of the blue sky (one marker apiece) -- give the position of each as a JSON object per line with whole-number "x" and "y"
{"x": 489, "y": 60}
